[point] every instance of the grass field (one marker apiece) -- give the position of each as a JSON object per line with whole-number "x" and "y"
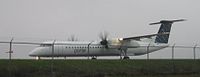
{"x": 100, "y": 68}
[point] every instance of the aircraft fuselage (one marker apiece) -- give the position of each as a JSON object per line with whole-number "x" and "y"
{"x": 93, "y": 49}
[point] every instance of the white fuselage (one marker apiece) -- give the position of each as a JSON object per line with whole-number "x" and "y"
{"x": 63, "y": 49}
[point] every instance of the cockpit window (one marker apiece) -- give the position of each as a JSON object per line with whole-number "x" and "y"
{"x": 45, "y": 45}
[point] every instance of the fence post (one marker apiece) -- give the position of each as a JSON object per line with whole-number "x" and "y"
{"x": 10, "y": 57}
{"x": 173, "y": 64}
{"x": 52, "y": 53}
{"x": 194, "y": 51}
{"x": 88, "y": 54}
{"x": 52, "y": 59}
{"x": 148, "y": 51}
{"x": 173, "y": 52}
{"x": 10, "y": 49}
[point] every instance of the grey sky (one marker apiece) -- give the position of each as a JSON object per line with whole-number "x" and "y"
{"x": 58, "y": 19}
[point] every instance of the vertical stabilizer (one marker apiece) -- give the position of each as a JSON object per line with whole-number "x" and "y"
{"x": 164, "y": 28}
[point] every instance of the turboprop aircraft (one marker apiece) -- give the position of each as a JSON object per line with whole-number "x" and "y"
{"x": 130, "y": 46}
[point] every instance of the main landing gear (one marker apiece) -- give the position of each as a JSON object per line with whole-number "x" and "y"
{"x": 126, "y": 58}
{"x": 124, "y": 53}
{"x": 94, "y": 57}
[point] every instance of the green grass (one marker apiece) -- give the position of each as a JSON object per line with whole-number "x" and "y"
{"x": 100, "y": 68}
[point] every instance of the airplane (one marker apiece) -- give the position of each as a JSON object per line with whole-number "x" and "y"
{"x": 131, "y": 46}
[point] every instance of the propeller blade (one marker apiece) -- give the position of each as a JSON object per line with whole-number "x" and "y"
{"x": 72, "y": 38}
{"x": 104, "y": 36}
{"x": 101, "y": 36}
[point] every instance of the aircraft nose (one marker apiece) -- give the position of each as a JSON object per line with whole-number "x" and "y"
{"x": 35, "y": 52}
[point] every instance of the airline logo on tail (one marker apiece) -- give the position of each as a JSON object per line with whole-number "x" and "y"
{"x": 164, "y": 28}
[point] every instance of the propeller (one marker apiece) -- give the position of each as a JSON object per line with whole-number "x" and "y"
{"x": 167, "y": 21}
{"x": 104, "y": 39}
{"x": 72, "y": 38}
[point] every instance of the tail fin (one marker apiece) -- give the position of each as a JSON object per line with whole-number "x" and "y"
{"x": 164, "y": 28}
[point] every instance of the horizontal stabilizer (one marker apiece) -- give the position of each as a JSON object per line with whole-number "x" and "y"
{"x": 167, "y": 21}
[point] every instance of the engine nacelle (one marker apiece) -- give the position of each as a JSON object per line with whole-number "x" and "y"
{"x": 114, "y": 43}
{"x": 118, "y": 43}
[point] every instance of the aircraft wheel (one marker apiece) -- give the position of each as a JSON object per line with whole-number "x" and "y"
{"x": 126, "y": 58}
{"x": 94, "y": 58}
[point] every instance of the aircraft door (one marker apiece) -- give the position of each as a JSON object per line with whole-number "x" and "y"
{"x": 60, "y": 50}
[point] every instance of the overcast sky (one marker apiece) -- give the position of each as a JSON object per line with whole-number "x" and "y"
{"x": 59, "y": 19}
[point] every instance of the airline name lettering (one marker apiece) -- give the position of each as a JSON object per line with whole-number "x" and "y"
{"x": 78, "y": 51}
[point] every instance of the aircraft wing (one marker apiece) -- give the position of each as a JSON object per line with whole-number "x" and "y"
{"x": 27, "y": 43}
{"x": 35, "y": 43}
{"x": 144, "y": 36}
